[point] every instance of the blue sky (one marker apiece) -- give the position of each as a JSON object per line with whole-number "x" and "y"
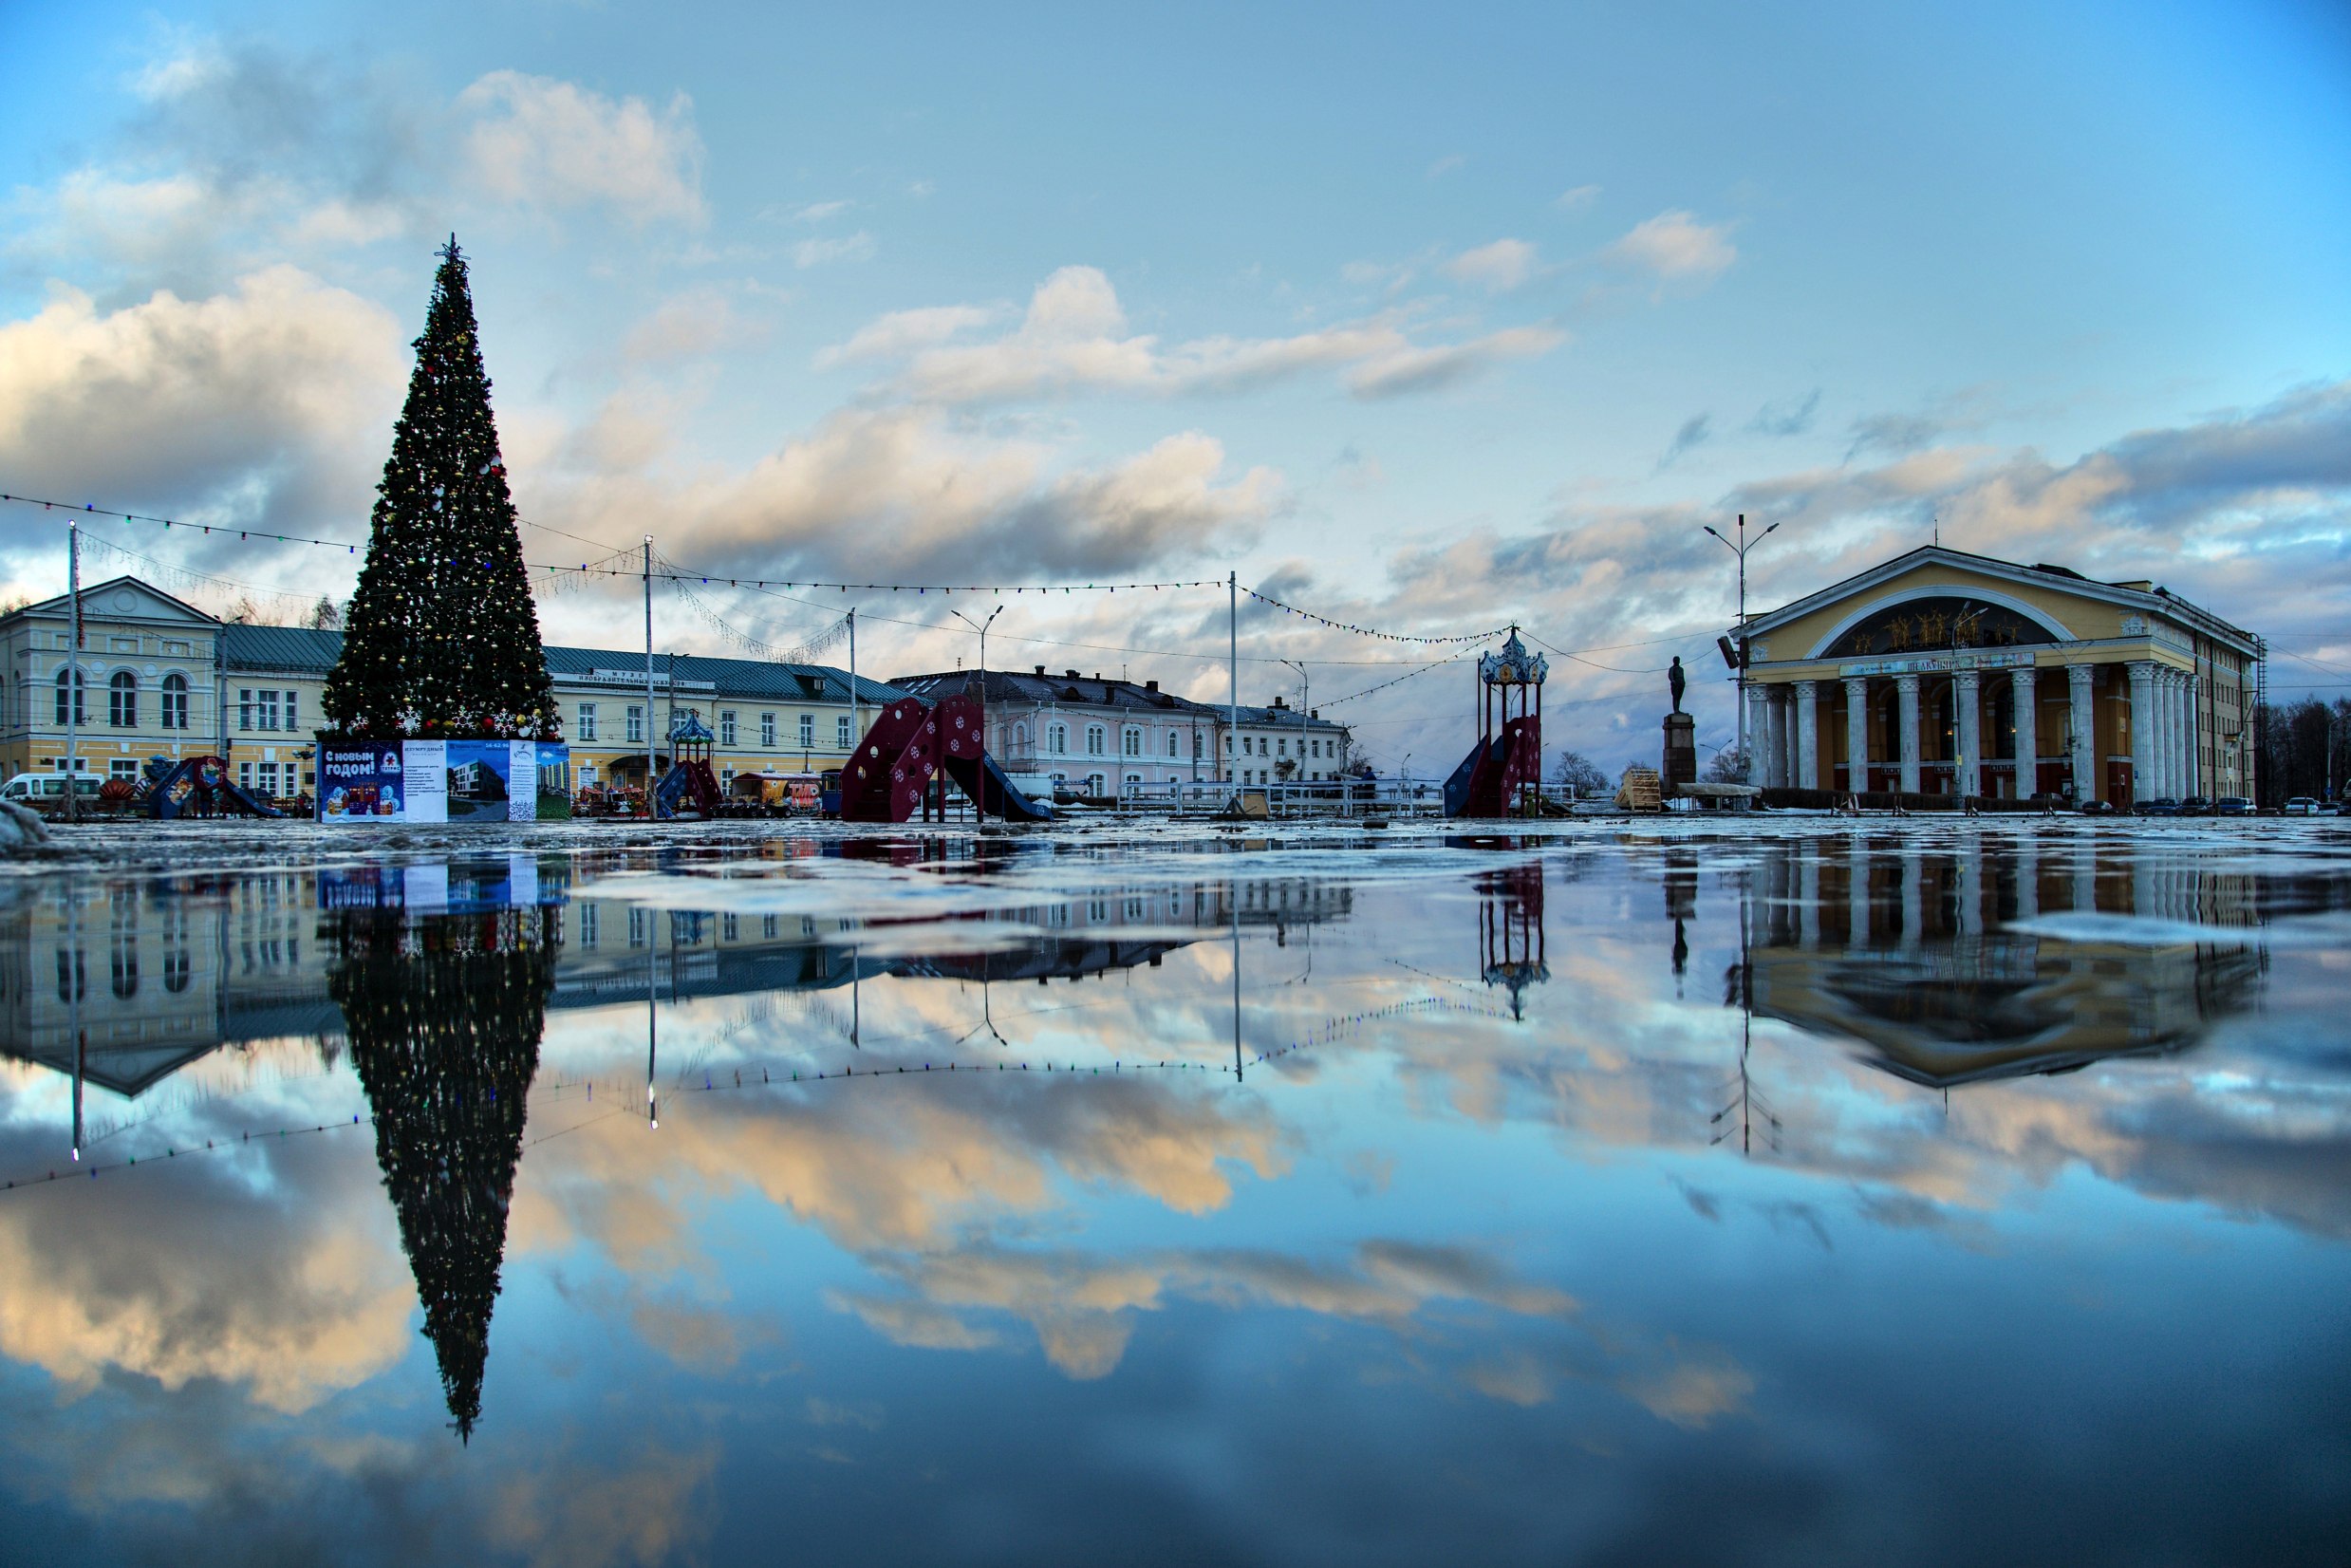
{"x": 1429, "y": 320}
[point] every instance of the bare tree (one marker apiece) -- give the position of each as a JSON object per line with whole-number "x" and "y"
{"x": 1579, "y": 774}
{"x": 325, "y": 615}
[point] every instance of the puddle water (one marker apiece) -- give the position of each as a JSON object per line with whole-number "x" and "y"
{"x": 1694, "y": 1194}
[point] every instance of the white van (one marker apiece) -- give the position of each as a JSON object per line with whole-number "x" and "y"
{"x": 46, "y": 791}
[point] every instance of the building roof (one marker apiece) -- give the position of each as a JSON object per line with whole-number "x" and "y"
{"x": 1286, "y": 718}
{"x": 1140, "y": 700}
{"x": 2137, "y": 595}
{"x": 300, "y": 651}
{"x": 1042, "y": 688}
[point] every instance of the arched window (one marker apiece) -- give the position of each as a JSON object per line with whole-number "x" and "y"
{"x": 1171, "y": 743}
{"x": 175, "y": 701}
{"x": 175, "y": 966}
{"x": 122, "y": 700}
{"x": 125, "y": 970}
{"x": 81, "y": 714}
{"x": 1020, "y": 739}
{"x": 1130, "y": 743}
{"x": 1058, "y": 737}
{"x": 1095, "y": 737}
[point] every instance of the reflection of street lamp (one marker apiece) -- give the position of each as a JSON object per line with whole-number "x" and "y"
{"x": 981, "y": 628}
{"x": 1740, "y": 550}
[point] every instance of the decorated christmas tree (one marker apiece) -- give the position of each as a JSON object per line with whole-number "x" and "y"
{"x": 444, "y": 1015}
{"x": 442, "y": 639}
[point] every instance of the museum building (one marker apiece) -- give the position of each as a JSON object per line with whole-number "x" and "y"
{"x": 1939, "y": 672}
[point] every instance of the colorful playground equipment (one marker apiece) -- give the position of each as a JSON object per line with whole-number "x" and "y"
{"x": 907, "y": 748}
{"x": 1501, "y": 774}
{"x": 689, "y": 782}
{"x": 197, "y": 787}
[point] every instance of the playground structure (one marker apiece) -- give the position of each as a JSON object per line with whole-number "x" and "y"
{"x": 197, "y": 787}
{"x": 689, "y": 782}
{"x": 908, "y": 750}
{"x": 1503, "y": 772}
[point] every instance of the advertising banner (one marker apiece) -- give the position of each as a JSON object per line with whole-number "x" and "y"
{"x": 444, "y": 781}
{"x": 451, "y": 887}
{"x": 428, "y": 779}
{"x": 359, "y": 784}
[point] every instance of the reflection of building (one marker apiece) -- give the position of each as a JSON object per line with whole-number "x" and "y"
{"x": 1915, "y": 953}
{"x": 158, "y": 971}
{"x": 1937, "y": 670}
{"x": 162, "y": 972}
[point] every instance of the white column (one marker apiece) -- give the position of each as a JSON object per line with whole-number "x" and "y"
{"x": 1782, "y": 732}
{"x": 2146, "y": 732}
{"x": 1969, "y": 775}
{"x": 1907, "y": 685}
{"x": 2024, "y": 699}
{"x": 1857, "y": 733}
{"x": 1808, "y": 735}
{"x": 2080, "y": 680}
{"x": 2176, "y": 749}
{"x": 2195, "y": 737}
{"x": 1757, "y": 750}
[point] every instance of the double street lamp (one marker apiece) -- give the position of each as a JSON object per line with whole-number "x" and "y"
{"x": 1740, "y": 550}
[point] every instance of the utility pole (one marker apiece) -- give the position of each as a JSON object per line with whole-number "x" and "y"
{"x": 648, "y": 685}
{"x": 856, "y": 708}
{"x": 73, "y": 675}
{"x": 1740, "y": 550}
{"x": 1232, "y": 627}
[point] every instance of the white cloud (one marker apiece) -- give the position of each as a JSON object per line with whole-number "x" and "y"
{"x": 1675, "y": 245}
{"x": 690, "y": 324}
{"x": 1430, "y": 369}
{"x": 902, "y": 332}
{"x": 1576, "y": 199}
{"x": 281, "y": 387}
{"x": 876, "y": 491}
{"x": 552, "y": 143}
{"x": 817, "y": 252}
{"x": 816, "y": 211}
{"x": 1073, "y": 337}
{"x": 1500, "y": 266}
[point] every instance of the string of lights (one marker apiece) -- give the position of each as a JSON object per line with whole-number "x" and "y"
{"x": 1367, "y": 631}
{"x": 1434, "y": 664}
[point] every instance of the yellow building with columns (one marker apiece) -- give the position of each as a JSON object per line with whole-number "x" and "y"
{"x": 1945, "y": 672}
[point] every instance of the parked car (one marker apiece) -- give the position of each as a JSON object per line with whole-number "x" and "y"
{"x": 2097, "y": 808}
{"x": 46, "y": 791}
{"x": 2196, "y": 805}
{"x": 2232, "y": 805}
{"x": 2302, "y": 805}
{"x": 2160, "y": 806}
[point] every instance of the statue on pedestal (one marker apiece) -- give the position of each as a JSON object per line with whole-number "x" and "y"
{"x": 1676, "y": 680}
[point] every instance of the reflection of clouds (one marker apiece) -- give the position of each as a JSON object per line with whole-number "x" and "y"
{"x": 207, "y": 1276}
{"x": 647, "y": 1510}
{"x": 1082, "y": 1309}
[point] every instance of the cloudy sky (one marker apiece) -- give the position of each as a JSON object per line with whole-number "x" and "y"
{"x": 1424, "y": 319}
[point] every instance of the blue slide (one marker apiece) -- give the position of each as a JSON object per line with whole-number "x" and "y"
{"x": 995, "y": 794}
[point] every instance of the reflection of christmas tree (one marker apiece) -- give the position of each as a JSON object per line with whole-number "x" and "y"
{"x": 444, "y": 1015}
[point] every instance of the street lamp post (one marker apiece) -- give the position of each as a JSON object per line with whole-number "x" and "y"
{"x": 981, "y": 628}
{"x": 1306, "y": 689}
{"x": 1740, "y": 550}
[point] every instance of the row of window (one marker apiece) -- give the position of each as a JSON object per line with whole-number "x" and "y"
{"x": 1131, "y": 742}
{"x": 584, "y": 720}
{"x": 71, "y": 705}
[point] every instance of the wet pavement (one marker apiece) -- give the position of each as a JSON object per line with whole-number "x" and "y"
{"x": 1778, "y": 1192}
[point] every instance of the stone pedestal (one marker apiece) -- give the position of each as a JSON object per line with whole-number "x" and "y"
{"x": 1681, "y": 756}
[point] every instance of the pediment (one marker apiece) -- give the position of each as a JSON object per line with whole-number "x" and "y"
{"x": 127, "y": 599}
